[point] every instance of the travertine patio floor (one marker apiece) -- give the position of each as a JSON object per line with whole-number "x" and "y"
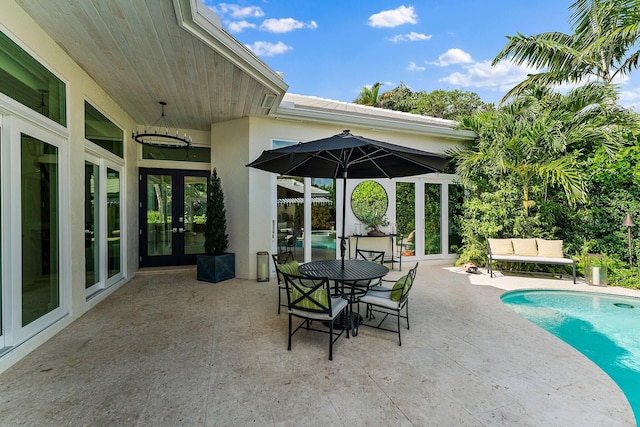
{"x": 167, "y": 350}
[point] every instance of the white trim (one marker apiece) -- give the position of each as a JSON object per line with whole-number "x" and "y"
{"x": 15, "y": 332}
{"x": 123, "y": 222}
{"x": 196, "y": 18}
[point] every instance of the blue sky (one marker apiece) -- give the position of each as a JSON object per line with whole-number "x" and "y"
{"x": 332, "y": 48}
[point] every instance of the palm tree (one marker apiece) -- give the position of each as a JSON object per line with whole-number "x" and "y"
{"x": 538, "y": 138}
{"x": 369, "y": 96}
{"x": 603, "y": 45}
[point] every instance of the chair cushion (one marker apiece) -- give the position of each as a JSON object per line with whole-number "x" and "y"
{"x": 525, "y": 247}
{"x": 337, "y": 305}
{"x": 290, "y": 267}
{"x": 398, "y": 288}
{"x": 501, "y": 246}
{"x": 377, "y": 296}
{"x": 550, "y": 248}
{"x": 321, "y": 295}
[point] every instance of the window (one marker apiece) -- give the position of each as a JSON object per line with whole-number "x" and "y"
{"x": 102, "y": 131}
{"x": 192, "y": 154}
{"x": 25, "y": 80}
{"x": 40, "y": 264}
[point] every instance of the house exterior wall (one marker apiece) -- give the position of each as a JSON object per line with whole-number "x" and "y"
{"x": 250, "y": 193}
{"x": 79, "y": 87}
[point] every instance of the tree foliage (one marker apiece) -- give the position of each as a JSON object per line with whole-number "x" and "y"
{"x": 369, "y": 95}
{"x": 604, "y": 45}
{"x": 449, "y": 104}
{"x": 527, "y": 171}
{"x": 215, "y": 233}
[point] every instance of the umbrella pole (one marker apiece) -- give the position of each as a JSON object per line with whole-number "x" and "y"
{"x": 343, "y": 242}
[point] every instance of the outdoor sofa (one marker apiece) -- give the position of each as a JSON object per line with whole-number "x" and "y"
{"x": 537, "y": 251}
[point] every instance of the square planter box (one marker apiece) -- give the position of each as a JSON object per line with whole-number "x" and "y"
{"x": 216, "y": 268}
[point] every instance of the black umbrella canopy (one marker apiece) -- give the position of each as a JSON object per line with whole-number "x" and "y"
{"x": 360, "y": 157}
{"x": 348, "y": 156}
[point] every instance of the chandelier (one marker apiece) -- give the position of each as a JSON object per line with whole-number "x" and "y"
{"x": 159, "y": 134}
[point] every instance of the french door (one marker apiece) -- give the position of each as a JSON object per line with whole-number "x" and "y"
{"x": 173, "y": 207}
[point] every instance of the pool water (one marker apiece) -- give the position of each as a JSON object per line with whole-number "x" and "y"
{"x": 604, "y": 327}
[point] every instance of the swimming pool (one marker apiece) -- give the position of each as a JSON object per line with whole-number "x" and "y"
{"x": 604, "y": 327}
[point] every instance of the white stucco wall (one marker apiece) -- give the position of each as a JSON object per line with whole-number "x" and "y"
{"x": 249, "y": 192}
{"x": 19, "y": 26}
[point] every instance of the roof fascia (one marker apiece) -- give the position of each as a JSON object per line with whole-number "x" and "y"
{"x": 375, "y": 123}
{"x": 196, "y": 18}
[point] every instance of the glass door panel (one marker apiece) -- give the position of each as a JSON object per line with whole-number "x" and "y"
{"x": 91, "y": 223}
{"x": 406, "y": 216}
{"x": 432, "y": 219}
{"x": 159, "y": 218}
{"x": 195, "y": 213}
{"x": 290, "y": 215}
{"x": 323, "y": 219}
{"x": 456, "y": 199}
{"x": 39, "y": 205}
{"x": 172, "y": 216}
{"x": 113, "y": 223}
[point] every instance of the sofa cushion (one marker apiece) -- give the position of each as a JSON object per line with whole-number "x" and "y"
{"x": 501, "y": 246}
{"x": 550, "y": 248}
{"x": 525, "y": 247}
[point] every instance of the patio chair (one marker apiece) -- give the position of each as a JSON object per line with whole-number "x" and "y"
{"x": 390, "y": 301}
{"x": 309, "y": 298}
{"x": 284, "y": 262}
{"x": 360, "y": 287}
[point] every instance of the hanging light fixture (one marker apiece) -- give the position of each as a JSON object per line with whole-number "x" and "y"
{"x": 160, "y": 134}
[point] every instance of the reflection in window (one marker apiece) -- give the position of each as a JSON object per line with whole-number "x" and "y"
{"x": 192, "y": 154}
{"x": 406, "y": 215}
{"x": 369, "y": 203}
{"x": 25, "y": 80}
{"x": 39, "y": 207}
{"x": 432, "y": 208}
{"x": 456, "y": 198}
{"x": 91, "y": 237}
{"x": 290, "y": 215}
{"x": 113, "y": 222}
{"x": 102, "y": 131}
{"x": 323, "y": 219}
{"x": 159, "y": 218}
{"x": 195, "y": 213}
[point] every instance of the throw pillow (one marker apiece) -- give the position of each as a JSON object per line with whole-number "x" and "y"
{"x": 290, "y": 267}
{"x": 319, "y": 295}
{"x": 550, "y": 248}
{"x": 398, "y": 289}
{"x": 525, "y": 247}
{"x": 501, "y": 246}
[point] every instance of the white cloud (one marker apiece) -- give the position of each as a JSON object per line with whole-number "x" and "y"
{"x": 453, "y": 56}
{"x": 411, "y": 37}
{"x": 239, "y": 26}
{"x": 503, "y": 76}
{"x": 393, "y": 18}
{"x": 413, "y": 67}
{"x": 236, "y": 11}
{"x": 285, "y": 25}
{"x": 630, "y": 98}
{"x": 269, "y": 49}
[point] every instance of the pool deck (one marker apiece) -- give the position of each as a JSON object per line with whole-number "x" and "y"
{"x": 167, "y": 350}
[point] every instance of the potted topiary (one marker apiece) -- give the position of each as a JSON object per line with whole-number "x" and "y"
{"x": 373, "y": 221}
{"x": 215, "y": 265}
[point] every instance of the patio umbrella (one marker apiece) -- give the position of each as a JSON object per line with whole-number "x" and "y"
{"x": 348, "y": 156}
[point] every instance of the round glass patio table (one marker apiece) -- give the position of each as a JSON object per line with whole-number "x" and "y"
{"x": 354, "y": 271}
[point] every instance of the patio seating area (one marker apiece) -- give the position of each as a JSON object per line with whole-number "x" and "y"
{"x": 167, "y": 350}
